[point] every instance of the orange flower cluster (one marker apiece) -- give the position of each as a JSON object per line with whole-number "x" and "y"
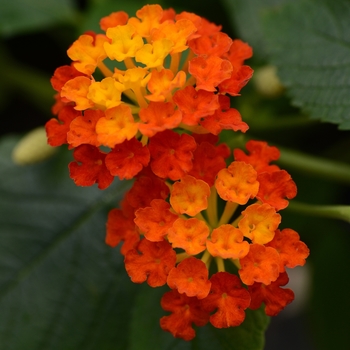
{"x": 160, "y": 71}
{"x": 154, "y": 116}
{"x": 172, "y": 231}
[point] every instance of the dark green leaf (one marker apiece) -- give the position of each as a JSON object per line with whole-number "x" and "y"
{"x": 17, "y": 16}
{"x": 61, "y": 287}
{"x": 309, "y": 41}
{"x": 247, "y": 17}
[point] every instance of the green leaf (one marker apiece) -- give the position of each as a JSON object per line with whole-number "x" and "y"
{"x": 61, "y": 287}
{"x": 309, "y": 42}
{"x": 17, "y": 16}
{"x": 247, "y": 17}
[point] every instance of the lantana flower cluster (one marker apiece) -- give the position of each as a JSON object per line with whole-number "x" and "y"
{"x": 147, "y": 100}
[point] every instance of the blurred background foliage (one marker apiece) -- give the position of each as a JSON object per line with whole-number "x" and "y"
{"x": 43, "y": 266}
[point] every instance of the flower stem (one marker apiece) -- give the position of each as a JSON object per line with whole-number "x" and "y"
{"x": 341, "y": 212}
{"x": 230, "y": 208}
{"x": 181, "y": 256}
{"x": 105, "y": 70}
{"x": 174, "y": 64}
{"x": 220, "y": 264}
{"x": 144, "y": 140}
{"x": 129, "y": 63}
{"x": 206, "y": 258}
{"x": 236, "y": 263}
{"x": 318, "y": 166}
{"x": 200, "y": 216}
{"x": 212, "y": 210}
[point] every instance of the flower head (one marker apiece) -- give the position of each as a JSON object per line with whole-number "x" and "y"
{"x": 155, "y": 117}
{"x": 168, "y": 74}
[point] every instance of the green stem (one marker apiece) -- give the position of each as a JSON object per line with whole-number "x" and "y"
{"x": 312, "y": 165}
{"x": 200, "y": 216}
{"x": 341, "y": 212}
{"x": 212, "y": 210}
{"x": 292, "y": 121}
{"x": 206, "y": 258}
{"x": 229, "y": 210}
{"x": 220, "y": 264}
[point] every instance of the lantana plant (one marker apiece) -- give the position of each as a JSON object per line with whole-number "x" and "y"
{"x": 148, "y": 100}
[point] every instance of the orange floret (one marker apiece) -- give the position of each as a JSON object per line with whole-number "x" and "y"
{"x": 209, "y": 71}
{"x": 189, "y": 195}
{"x": 118, "y": 18}
{"x": 162, "y": 83}
{"x": 124, "y": 42}
{"x": 105, "y": 93}
{"x": 273, "y": 296}
{"x": 239, "y": 78}
{"x": 153, "y": 55}
{"x": 89, "y": 167}
{"x": 76, "y": 90}
{"x": 146, "y": 187}
{"x": 221, "y": 149}
{"x": 208, "y": 161}
{"x": 134, "y": 79}
{"x": 275, "y": 187}
{"x": 189, "y": 234}
{"x": 238, "y": 53}
{"x": 190, "y": 276}
{"x": 62, "y": 75}
{"x": 168, "y": 15}
{"x": 117, "y": 126}
{"x": 204, "y": 27}
{"x": 237, "y": 183}
{"x": 260, "y": 155}
{"x": 150, "y": 261}
{"x": 57, "y": 129}
{"x": 224, "y": 119}
{"x": 158, "y": 116}
{"x": 127, "y": 159}
{"x": 216, "y": 44}
{"x": 171, "y": 154}
{"x": 227, "y": 242}
{"x": 259, "y": 223}
{"x": 177, "y": 33}
{"x": 195, "y": 104}
{"x": 82, "y": 129}
{"x": 59, "y": 104}
{"x": 228, "y": 298}
{"x": 87, "y": 52}
{"x": 184, "y": 311}
{"x": 149, "y": 17}
{"x": 261, "y": 264}
{"x": 121, "y": 228}
{"x": 155, "y": 221}
{"x": 292, "y": 251}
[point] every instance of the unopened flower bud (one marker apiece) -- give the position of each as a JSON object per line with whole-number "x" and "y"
{"x": 32, "y": 148}
{"x": 267, "y": 82}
